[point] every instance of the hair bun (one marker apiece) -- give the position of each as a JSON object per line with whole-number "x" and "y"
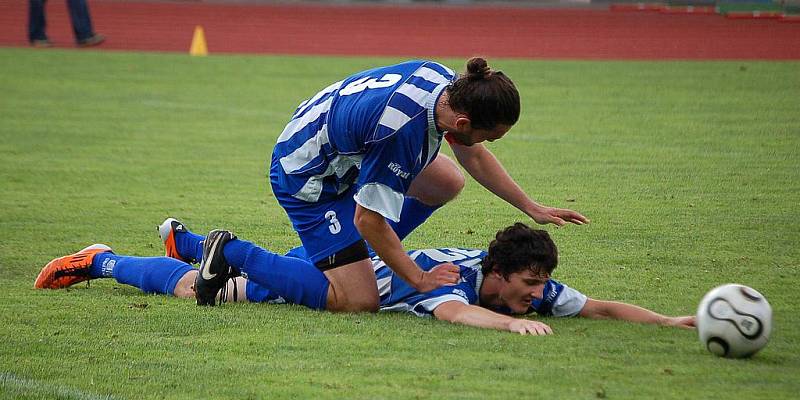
{"x": 478, "y": 68}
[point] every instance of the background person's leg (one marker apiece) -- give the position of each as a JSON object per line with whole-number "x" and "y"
{"x": 36, "y": 21}
{"x": 81, "y": 20}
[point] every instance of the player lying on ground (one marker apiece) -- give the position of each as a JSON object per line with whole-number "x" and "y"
{"x": 512, "y": 277}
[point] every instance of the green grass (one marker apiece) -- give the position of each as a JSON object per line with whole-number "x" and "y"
{"x": 688, "y": 170}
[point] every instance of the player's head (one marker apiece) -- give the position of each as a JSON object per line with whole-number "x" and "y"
{"x": 487, "y": 101}
{"x": 521, "y": 259}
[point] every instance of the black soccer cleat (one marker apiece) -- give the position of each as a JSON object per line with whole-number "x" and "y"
{"x": 214, "y": 269}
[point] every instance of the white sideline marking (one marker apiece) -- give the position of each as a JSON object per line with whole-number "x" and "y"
{"x": 14, "y": 384}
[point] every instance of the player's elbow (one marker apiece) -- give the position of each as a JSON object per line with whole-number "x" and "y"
{"x": 363, "y": 219}
{"x": 596, "y": 309}
{"x": 451, "y": 311}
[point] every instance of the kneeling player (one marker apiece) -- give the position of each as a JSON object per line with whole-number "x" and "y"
{"x": 511, "y": 277}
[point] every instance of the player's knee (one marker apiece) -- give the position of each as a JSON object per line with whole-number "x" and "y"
{"x": 366, "y": 304}
{"x": 445, "y": 188}
{"x": 185, "y": 287}
{"x": 353, "y": 306}
{"x": 338, "y": 301}
{"x": 453, "y": 185}
{"x": 362, "y": 306}
{"x": 449, "y": 182}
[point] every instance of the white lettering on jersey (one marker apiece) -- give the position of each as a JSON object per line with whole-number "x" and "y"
{"x": 370, "y": 83}
{"x": 395, "y": 167}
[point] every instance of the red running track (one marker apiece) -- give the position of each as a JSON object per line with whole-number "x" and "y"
{"x": 415, "y": 31}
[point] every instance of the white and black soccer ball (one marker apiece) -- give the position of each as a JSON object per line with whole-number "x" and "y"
{"x": 734, "y": 321}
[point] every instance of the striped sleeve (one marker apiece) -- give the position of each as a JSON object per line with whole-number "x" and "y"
{"x": 411, "y": 98}
{"x": 559, "y": 300}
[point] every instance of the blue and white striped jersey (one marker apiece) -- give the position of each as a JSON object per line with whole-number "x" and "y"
{"x": 396, "y": 295}
{"x": 374, "y": 129}
{"x": 557, "y": 300}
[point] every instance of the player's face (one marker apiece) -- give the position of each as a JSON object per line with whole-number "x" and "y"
{"x": 521, "y": 288}
{"x": 467, "y": 136}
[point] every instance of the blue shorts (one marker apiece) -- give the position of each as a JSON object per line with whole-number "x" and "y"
{"x": 324, "y": 227}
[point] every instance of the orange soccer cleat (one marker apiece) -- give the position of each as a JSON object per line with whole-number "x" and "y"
{"x": 167, "y": 231}
{"x": 68, "y": 270}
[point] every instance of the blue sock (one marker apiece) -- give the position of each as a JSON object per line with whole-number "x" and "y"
{"x": 297, "y": 281}
{"x": 102, "y": 266}
{"x": 189, "y": 246}
{"x": 412, "y": 215}
{"x": 150, "y": 274}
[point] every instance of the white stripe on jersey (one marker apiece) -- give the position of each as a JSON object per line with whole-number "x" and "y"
{"x": 429, "y": 305}
{"x": 434, "y": 139}
{"x": 414, "y": 93}
{"x": 323, "y": 92}
{"x": 569, "y": 303}
{"x": 340, "y": 164}
{"x": 448, "y": 70}
{"x": 381, "y": 199}
{"x": 296, "y": 125}
{"x": 384, "y": 285}
{"x": 440, "y": 256}
{"x": 312, "y": 189}
{"x": 393, "y": 118}
{"x": 474, "y": 254}
{"x": 431, "y": 76}
{"x": 305, "y": 153}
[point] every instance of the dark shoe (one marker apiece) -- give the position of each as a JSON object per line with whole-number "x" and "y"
{"x": 41, "y": 43}
{"x": 214, "y": 269}
{"x": 93, "y": 40}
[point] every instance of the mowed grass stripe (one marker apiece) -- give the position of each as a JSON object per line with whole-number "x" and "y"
{"x": 14, "y": 387}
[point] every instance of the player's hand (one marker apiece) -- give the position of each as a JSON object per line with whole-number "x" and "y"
{"x": 686, "y": 322}
{"x": 438, "y": 276}
{"x": 529, "y": 327}
{"x": 558, "y": 216}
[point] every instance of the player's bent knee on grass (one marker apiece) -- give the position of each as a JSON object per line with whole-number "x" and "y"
{"x": 352, "y": 288}
{"x": 439, "y": 182}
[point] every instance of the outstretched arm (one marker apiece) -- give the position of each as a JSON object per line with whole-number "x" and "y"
{"x": 487, "y": 170}
{"x": 600, "y": 309}
{"x": 471, "y": 315}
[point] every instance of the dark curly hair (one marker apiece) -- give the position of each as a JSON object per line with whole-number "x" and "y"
{"x": 488, "y": 97}
{"x": 519, "y": 247}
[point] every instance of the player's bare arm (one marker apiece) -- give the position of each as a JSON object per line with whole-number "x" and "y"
{"x": 476, "y": 316}
{"x": 374, "y": 229}
{"x": 482, "y": 165}
{"x": 602, "y": 309}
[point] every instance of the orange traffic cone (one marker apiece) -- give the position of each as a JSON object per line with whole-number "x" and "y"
{"x": 198, "y": 47}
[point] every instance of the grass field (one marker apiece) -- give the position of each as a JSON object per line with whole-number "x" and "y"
{"x": 690, "y": 172}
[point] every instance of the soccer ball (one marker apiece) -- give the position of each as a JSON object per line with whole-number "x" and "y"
{"x": 734, "y": 321}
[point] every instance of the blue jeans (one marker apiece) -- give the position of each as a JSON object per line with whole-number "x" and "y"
{"x": 78, "y": 13}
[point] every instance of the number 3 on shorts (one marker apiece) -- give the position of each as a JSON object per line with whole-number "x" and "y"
{"x": 335, "y": 227}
